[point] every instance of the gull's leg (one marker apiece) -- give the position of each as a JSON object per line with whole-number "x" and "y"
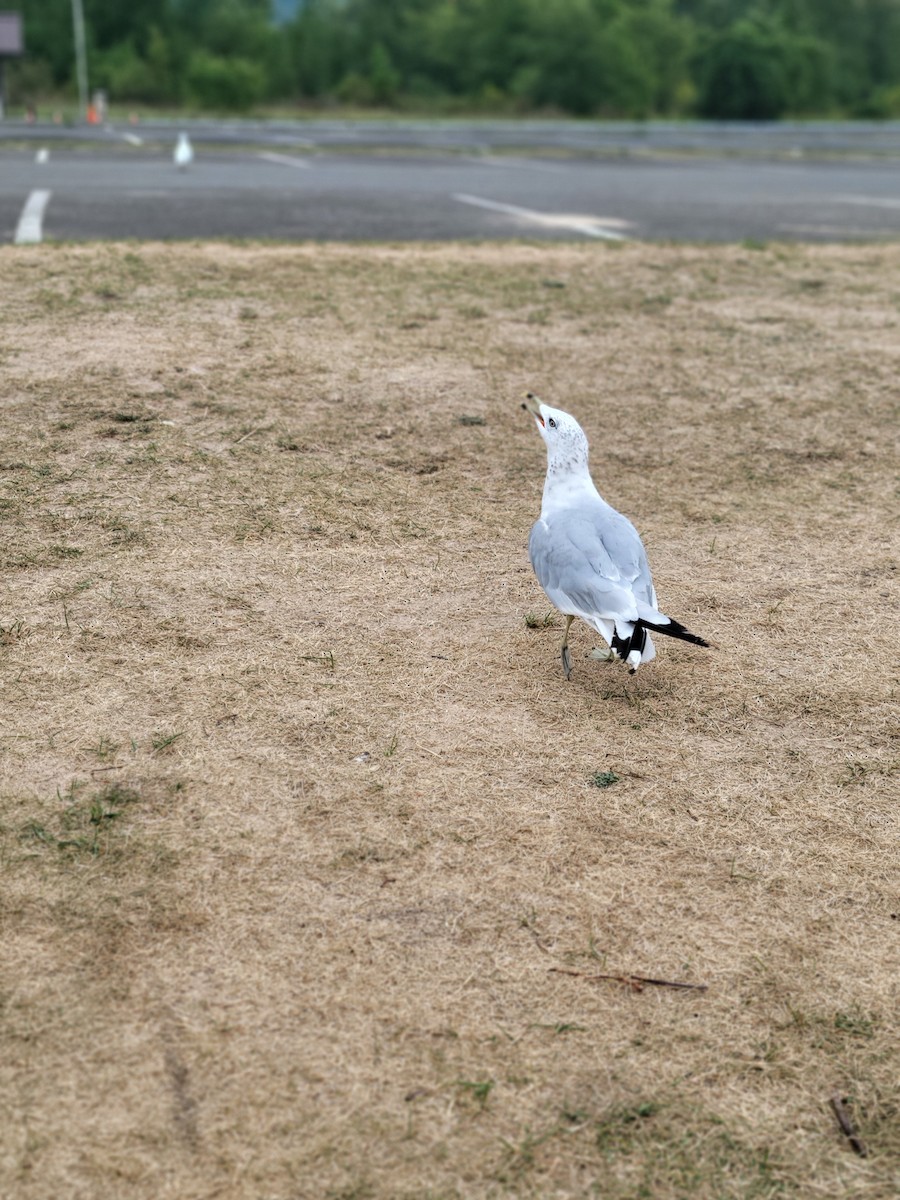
{"x": 564, "y": 649}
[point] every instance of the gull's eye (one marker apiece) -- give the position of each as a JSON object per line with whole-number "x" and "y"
{"x": 551, "y": 422}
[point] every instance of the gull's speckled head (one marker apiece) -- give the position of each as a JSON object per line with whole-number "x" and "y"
{"x": 564, "y": 437}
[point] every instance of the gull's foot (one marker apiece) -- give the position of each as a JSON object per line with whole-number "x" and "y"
{"x": 566, "y": 661}
{"x": 603, "y": 654}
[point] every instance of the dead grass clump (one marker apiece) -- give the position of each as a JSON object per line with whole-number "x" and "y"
{"x": 319, "y": 879}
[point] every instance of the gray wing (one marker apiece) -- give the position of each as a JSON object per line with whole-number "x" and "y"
{"x": 590, "y": 561}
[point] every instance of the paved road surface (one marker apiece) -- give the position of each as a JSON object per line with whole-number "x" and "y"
{"x": 111, "y": 189}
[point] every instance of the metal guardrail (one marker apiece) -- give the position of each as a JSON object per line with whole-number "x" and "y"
{"x": 780, "y": 139}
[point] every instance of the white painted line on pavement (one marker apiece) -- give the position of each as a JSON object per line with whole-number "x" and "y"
{"x": 589, "y": 226}
{"x": 42, "y": 156}
{"x": 28, "y": 230}
{"x": 869, "y": 201}
{"x": 287, "y": 160}
{"x": 133, "y": 139}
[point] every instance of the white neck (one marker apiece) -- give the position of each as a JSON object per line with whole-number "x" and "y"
{"x": 568, "y": 477}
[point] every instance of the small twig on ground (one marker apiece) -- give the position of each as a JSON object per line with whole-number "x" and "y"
{"x": 635, "y": 982}
{"x": 847, "y": 1127}
{"x": 538, "y": 941}
{"x": 259, "y": 429}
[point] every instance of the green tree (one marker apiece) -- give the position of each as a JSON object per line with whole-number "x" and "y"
{"x": 739, "y": 59}
{"x": 384, "y": 79}
{"x": 744, "y": 74}
{"x": 110, "y": 25}
{"x": 48, "y": 34}
{"x": 664, "y": 41}
{"x": 224, "y": 83}
{"x": 583, "y": 61}
{"x": 317, "y": 46}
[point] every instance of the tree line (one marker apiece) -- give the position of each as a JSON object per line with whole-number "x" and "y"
{"x": 726, "y": 59}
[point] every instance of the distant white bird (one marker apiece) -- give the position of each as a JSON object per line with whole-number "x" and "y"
{"x": 588, "y": 558}
{"x": 184, "y": 152}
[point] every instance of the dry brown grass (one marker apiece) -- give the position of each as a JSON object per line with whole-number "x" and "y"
{"x": 298, "y": 813}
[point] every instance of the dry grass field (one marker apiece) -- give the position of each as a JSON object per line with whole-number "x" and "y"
{"x": 311, "y": 857}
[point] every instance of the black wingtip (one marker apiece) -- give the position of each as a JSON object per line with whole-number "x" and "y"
{"x": 676, "y": 630}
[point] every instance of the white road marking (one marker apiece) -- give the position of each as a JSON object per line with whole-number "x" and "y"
{"x": 590, "y": 226}
{"x": 869, "y": 201}
{"x": 133, "y": 139}
{"x": 42, "y": 156}
{"x": 29, "y": 229}
{"x": 287, "y": 160}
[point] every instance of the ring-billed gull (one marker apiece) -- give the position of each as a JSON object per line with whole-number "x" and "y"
{"x": 588, "y": 558}
{"x": 184, "y": 152}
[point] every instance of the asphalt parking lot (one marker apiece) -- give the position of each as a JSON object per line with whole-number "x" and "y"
{"x": 125, "y": 186}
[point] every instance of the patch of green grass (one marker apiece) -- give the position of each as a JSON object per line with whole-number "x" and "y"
{"x": 12, "y": 633}
{"x": 478, "y": 1089}
{"x": 648, "y": 1148}
{"x": 105, "y": 749}
{"x": 123, "y": 534}
{"x": 604, "y": 779}
{"x": 533, "y": 621}
{"x": 613, "y": 1129}
{"x": 162, "y": 741}
{"x": 855, "y": 1023}
{"x": 364, "y": 852}
{"x": 85, "y": 821}
{"x": 521, "y": 1156}
{"x": 123, "y": 416}
{"x": 854, "y": 773}
{"x": 657, "y": 302}
{"x": 326, "y": 658}
{"x": 361, "y": 1190}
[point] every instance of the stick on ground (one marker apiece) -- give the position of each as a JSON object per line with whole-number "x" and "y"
{"x": 636, "y": 982}
{"x": 847, "y": 1126}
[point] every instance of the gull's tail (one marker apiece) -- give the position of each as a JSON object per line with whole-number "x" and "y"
{"x": 633, "y": 650}
{"x": 673, "y": 629}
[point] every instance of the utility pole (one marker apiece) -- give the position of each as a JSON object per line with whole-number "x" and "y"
{"x": 80, "y": 56}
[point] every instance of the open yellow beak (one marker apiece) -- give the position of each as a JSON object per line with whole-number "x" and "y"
{"x": 533, "y": 405}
